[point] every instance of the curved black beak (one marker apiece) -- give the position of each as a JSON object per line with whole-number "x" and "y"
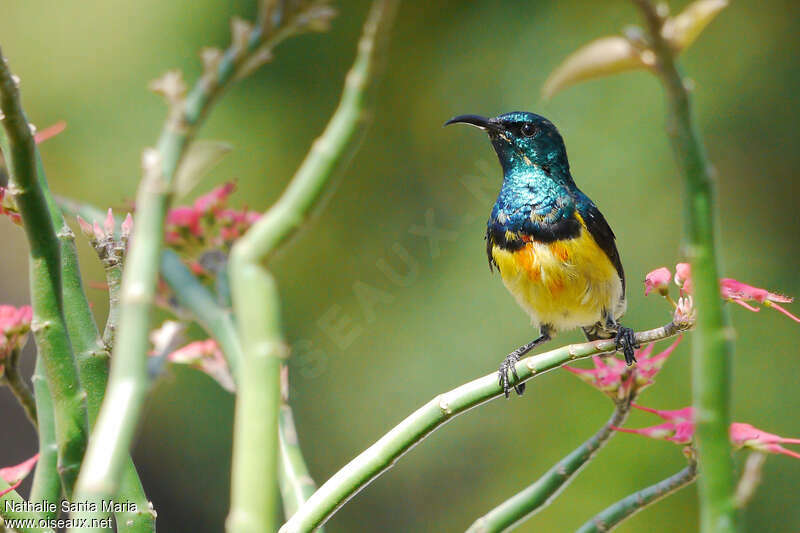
{"x": 474, "y": 120}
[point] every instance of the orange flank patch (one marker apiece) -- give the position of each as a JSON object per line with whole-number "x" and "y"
{"x": 526, "y": 262}
{"x": 559, "y": 250}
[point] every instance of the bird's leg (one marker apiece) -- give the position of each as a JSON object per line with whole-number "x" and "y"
{"x": 511, "y": 359}
{"x": 625, "y": 340}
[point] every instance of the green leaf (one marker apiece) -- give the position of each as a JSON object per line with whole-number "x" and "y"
{"x": 201, "y": 157}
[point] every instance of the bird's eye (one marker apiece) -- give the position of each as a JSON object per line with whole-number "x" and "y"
{"x": 527, "y": 129}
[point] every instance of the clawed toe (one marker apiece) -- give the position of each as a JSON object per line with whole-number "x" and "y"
{"x": 508, "y": 366}
{"x": 626, "y": 343}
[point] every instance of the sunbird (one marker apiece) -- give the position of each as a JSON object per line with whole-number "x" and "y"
{"x": 554, "y": 249}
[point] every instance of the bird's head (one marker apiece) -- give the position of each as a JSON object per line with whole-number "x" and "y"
{"x": 522, "y": 139}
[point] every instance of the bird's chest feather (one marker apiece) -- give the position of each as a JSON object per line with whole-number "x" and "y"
{"x": 564, "y": 283}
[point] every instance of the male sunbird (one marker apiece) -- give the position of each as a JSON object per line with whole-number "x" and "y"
{"x": 553, "y": 248}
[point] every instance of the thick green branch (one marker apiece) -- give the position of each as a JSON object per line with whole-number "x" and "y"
{"x": 46, "y": 483}
{"x": 613, "y": 515}
{"x": 49, "y": 324}
{"x": 711, "y": 344}
{"x": 255, "y": 298}
{"x": 388, "y": 449}
{"x": 258, "y": 397}
{"x": 537, "y": 496}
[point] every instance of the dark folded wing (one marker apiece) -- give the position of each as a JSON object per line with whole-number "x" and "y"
{"x": 601, "y": 231}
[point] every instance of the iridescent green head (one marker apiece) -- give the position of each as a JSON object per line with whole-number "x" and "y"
{"x": 523, "y": 139}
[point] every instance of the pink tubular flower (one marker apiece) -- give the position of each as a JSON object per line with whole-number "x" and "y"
{"x": 683, "y": 277}
{"x": 747, "y": 436}
{"x": 609, "y": 374}
{"x": 739, "y": 293}
{"x": 205, "y": 356}
{"x": 679, "y": 428}
{"x": 657, "y": 280}
{"x": 208, "y": 223}
{"x": 215, "y": 199}
{"x": 606, "y": 376}
{"x": 730, "y": 290}
{"x": 13, "y": 475}
{"x": 15, "y": 323}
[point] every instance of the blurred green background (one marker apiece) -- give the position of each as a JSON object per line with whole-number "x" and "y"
{"x": 88, "y": 63}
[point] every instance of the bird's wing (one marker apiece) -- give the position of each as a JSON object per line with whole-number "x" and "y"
{"x": 603, "y": 235}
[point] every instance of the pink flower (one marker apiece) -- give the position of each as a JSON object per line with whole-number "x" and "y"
{"x": 184, "y": 218}
{"x": 207, "y": 223}
{"x": 207, "y": 357}
{"x": 739, "y": 293}
{"x": 647, "y": 367}
{"x": 679, "y": 427}
{"x": 745, "y": 435}
{"x": 657, "y": 280}
{"x": 215, "y": 199}
{"x": 683, "y": 277}
{"x": 607, "y": 378}
{"x": 613, "y": 377}
{"x": 13, "y": 475}
{"x": 15, "y": 323}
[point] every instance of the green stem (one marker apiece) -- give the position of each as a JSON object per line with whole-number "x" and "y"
{"x": 257, "y": 400}
{"x": 712, "y": 347}
{"x": 119, "y": 413}
{"x": 255, "y": 298}
{"x": 93, "y": 359}
{"x": 295, "y": 482}
{"x": 388, "y": 449}
{"x": 195, "y": 297}
{"x": 18, "y": 387}
{"x": 46, "y": 483}
{"x": 114, "y": 281}
{"x": 544, "y": 490}
{"x": 49, "y": 323}
{"x": 613, "y": 515}
{"x": 92, "y": 356}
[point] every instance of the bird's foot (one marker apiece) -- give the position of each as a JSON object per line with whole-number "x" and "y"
{"x": 506, "y": 367}
{"x": 626, "y": 343}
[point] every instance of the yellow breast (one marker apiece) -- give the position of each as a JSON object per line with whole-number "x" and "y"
{"x": 564, "y": 284}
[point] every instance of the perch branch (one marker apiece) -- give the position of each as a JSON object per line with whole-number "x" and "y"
{"x": 379, "y": 457}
